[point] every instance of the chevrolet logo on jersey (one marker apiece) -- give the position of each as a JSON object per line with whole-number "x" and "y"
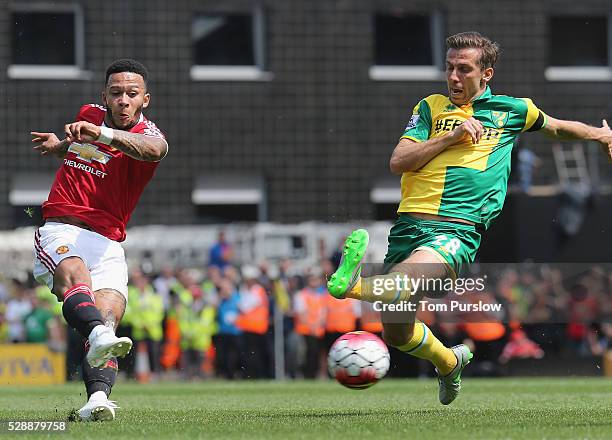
{"x": 89, "y": 153}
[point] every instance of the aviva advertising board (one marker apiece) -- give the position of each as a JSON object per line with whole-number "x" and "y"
{"x": 31, "y": 364}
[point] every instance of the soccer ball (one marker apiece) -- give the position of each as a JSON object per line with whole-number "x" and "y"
{"x": 358, "y": 360}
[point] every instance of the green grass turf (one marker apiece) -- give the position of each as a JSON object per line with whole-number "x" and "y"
{"x": 402, "y": 409}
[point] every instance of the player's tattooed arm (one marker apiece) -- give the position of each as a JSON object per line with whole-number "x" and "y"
{"x": 140, "y": 146}
{"x": 136, "y": 145}
{"x": 49, "y": 143}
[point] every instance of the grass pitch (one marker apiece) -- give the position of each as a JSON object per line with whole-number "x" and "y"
{"x": 402, "y": 409}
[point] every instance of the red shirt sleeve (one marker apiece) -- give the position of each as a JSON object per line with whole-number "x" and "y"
{"x": 93, "y": 113}
{"x": 148, "y": 128}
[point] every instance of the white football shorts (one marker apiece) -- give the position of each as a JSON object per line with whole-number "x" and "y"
{"x": 103, "y": 257}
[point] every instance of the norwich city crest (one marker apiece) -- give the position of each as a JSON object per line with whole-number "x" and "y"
{"x": 499, "y": 118}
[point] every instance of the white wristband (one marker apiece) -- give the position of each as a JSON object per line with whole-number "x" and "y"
{"x": 106, "y": 135}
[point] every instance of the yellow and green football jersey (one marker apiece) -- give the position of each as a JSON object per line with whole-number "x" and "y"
{"x": 467, "y": 180}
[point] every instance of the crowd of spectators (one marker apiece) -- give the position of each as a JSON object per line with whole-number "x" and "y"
{"x": 221, "y": 320}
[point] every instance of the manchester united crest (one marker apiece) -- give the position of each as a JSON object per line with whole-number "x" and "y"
{"x": 62, "y": 250}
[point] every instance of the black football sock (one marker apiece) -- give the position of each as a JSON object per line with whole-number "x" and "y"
{"x": 80, "y": 310}
{"x": 99, "y": 379}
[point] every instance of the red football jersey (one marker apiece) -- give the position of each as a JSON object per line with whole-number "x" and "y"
{"x": 97, "y": 183}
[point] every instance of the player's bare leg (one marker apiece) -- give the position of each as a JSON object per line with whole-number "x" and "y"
{"x": 69, "y": 272}
{"x": 72, "y": 286}
{"x": 398, "y": 327}
{"x": 87, "y": 313}
{"x": 99, "y": 381}
{"x": 105, "y": 346}
{"x": 403, "y": 331}
{"x": 411, "y": 336}
{"x": 111, "y": 305}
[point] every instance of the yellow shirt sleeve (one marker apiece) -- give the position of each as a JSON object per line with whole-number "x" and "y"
{"x": 535, "y": 119}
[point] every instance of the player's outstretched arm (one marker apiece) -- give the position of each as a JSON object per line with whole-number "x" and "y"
{"x": 48, "y": 143}
{"x": 574, "y": 130}
{"x": 140, "y": 146}
{"x": 410, "y": 155}
{"x": 135, "y": 145}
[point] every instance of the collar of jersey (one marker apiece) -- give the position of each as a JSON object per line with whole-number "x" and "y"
{"x": 486, "y": 95}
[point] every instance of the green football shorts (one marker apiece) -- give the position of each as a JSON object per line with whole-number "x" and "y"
{"x": 455, "y": 244}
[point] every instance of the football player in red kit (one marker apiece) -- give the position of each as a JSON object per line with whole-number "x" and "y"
{"x": 109, "y": 154}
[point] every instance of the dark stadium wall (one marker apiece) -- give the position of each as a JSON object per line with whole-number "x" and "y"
{"x": 529, "y": 229}
{"x": 320, "y": 131}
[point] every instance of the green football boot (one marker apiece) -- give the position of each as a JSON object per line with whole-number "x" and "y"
{"x": 349, "y": 270}
{"x": 450, "y": 385}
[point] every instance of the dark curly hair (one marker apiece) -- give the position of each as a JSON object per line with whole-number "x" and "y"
{"x": 127, "y": 65}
